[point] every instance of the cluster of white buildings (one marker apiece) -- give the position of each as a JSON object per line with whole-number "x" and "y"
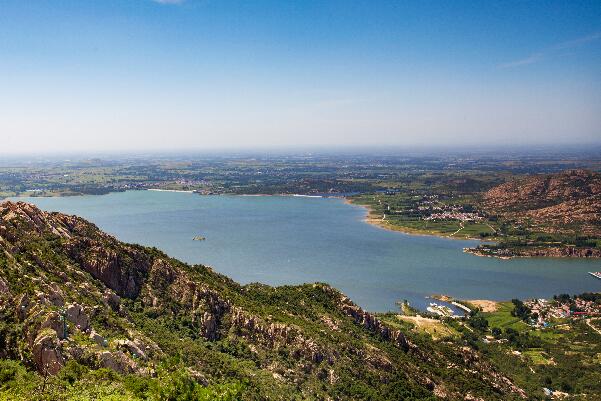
{"x": 556, "y": 309}
{"x": 454, "y": 215}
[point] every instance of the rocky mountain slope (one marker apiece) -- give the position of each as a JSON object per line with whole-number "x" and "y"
{"x": 74, "y": 299}
{"x": 567, "y": 202}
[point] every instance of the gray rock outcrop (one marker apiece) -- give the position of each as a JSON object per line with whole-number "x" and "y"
{"x": 46, "y": 353}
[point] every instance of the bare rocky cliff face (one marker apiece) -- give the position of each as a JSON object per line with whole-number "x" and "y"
{"x": 562, "y": 202}
{"x": 74, "y": 292}
{"x": 535, "y": 192}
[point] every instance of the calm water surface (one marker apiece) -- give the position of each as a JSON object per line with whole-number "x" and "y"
{"x": 291, "y": 240}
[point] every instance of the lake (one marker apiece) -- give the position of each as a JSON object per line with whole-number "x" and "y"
{"x": 290, "y": 240}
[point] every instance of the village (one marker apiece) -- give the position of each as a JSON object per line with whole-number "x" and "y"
{"x": 431, "y": 208}
{"x": 543, "y": 311}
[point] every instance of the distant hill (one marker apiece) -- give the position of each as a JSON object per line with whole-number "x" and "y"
{"x": 111, "y": 320}
{"x": 568, "y": 202}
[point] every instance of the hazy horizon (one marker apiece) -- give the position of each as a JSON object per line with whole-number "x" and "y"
{"x": 194, "y": 75}
{"x": 476, "y": 151}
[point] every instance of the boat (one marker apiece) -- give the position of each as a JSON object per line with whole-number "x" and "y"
{"x": 441, "y": 310}
{"x": 199, "y": 238}
{"x": 595, "y": 274}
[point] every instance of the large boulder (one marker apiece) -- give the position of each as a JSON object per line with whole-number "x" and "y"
{"x": 117, "y": 361}
{"x": 46, "y": 353}
{"x": 98, "y": 339}
{"x": 55, "y": 295}
{"x": 112, "y": 300}
{"x": 209, "y": 326}
{"x": 132, "y": 348}
{"x": 77, "y": 316}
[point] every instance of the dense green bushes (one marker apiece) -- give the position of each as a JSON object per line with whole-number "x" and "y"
{"x": 77, "y": 382}
{"x": 520, "y": 310}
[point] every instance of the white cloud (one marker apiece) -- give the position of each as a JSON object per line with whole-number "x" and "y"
{"x": 533, "y": 58}
{"x": 545, "y": 53}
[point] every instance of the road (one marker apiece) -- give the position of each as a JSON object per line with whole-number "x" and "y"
{"x": 588, "y": 321}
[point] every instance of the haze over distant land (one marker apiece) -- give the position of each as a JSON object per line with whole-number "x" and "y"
{"x": 143, "y": 75}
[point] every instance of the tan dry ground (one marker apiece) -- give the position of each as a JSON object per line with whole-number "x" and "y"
{"x": 431, "y": 326}
{"x": 485, "y": 305}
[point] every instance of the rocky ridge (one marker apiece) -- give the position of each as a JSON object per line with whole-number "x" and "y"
{"x": 71, "y": 292}
{"x": 568, "y": 202}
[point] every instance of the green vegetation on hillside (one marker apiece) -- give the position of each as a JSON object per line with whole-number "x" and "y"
{"x": 88, "y": 317}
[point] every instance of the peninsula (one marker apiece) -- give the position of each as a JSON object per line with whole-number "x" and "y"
{"x": 549, "y": 215}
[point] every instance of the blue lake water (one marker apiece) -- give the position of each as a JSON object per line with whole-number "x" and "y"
{"x": 291, "y": 240}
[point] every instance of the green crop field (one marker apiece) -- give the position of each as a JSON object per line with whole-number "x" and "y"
{"x": 503, "y": 319}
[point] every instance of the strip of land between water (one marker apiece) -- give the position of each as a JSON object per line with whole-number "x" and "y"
{"x": 371, "y": 217}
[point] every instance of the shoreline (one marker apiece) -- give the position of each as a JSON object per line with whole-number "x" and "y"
{"x": 383, "y": 224}
{"x": 486, "y": 305}
{"x": 66, "y": 195}
{"x": 478, "y": 252}
{"x": 170, "y": 190}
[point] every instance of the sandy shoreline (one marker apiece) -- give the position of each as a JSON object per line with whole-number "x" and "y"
{"x": 170, "y": 190}
{"x": 289, "y": 195}
{"x": 484, "y": 304}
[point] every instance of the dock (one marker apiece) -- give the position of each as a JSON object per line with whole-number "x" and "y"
{"x": 462, "y": 307}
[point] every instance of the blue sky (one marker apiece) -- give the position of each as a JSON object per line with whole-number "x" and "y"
{"x": 205, "y": 74}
